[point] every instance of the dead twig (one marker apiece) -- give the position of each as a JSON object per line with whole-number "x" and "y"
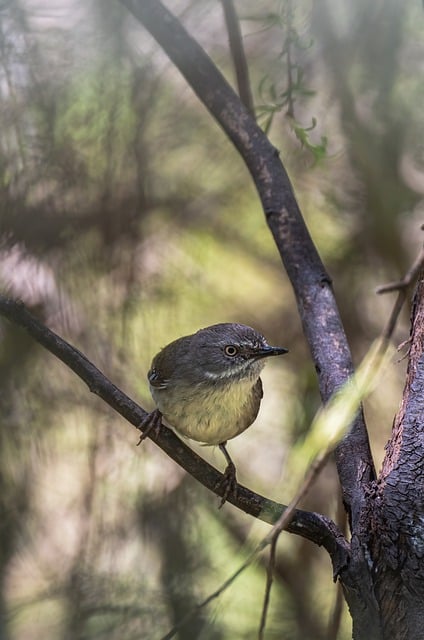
{"x": 282, "y": 523}
{"x": 402, "y": 287}
{"x": 407, "y": 279}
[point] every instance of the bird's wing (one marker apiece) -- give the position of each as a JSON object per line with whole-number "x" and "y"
{"x": 256, "y": 397}
{"x": 258, "y": 390}
{"x": 167, "y": 362}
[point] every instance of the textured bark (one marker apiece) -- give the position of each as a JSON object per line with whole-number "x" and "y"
{"x": 397, "y": 506}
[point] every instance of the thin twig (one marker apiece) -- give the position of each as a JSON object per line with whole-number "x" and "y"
{"x": 181, "y": 623}
{"x": 402, "y": 287}
{"x": 335, "y": 617}
{"x": 269, "y": 580}
{"x": 282, "y": 523}
{"x": 239, "y": 58}
{"x": 408, "y": 278}
{"x": 394, "y": 315}
{"x": 290, "y": 83}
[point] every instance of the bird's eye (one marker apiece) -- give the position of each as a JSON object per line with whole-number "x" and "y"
{"x": 230, "y": 350}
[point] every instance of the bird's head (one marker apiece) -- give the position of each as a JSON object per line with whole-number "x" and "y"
{"x": 228, "y": 352}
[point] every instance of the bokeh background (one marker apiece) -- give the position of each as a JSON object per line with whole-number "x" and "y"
{"x": 126, "y": 220}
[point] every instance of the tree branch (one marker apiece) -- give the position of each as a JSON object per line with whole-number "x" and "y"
{"x": 396, "y": 506}
{"x": 401, "y": 287}
{"x": 312, "y": 285}
{"x": 237, "y": 51}
{"x": 312, "y": 526}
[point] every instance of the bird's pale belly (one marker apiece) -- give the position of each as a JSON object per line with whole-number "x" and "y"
{"x": 211, "y": 415}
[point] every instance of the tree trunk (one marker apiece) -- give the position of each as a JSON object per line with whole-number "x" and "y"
{"x": 396, "y": 509}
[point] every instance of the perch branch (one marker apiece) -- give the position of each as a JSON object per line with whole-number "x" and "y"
{"x": 313, "y": 526}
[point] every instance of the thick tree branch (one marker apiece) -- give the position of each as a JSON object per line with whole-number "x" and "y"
{"x": 312, "y": 286}
{"x": 313, "y": 526}
{"x": 397, "y": 506}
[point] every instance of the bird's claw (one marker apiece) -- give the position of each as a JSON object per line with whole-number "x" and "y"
{"x": 151, "y": 422}
{"x": 229, "y": 482}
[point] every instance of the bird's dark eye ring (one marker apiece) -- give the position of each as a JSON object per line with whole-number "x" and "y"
{"x": 230, "y": 350}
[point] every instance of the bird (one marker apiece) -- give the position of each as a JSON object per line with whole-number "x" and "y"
{"x": 207, "y": 387}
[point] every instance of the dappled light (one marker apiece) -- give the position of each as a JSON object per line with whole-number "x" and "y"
{"x": 127, "y": 220}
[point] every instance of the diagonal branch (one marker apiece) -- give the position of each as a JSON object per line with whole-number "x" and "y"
{"x": 312, "y": 285}
{"x": 312, "y": 526}
{"x": 283, "y": 523}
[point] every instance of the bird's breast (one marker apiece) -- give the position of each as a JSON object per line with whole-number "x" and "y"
{"x": 210, "y": 413}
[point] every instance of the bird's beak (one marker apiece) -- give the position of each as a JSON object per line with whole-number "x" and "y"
{"x": 266, "y": 352}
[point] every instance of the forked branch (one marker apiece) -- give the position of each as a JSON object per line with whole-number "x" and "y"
{"x": 312, "y": 285}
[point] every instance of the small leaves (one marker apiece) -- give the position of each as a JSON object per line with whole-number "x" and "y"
{"x": 318, "y": 151}
{"x": 277, "y": 98}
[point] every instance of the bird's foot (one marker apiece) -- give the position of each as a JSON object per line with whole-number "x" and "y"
{"x": 229, "y": 483}
{"x": 151, "y": 422}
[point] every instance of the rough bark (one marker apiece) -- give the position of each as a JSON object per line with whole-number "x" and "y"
{"x": 397, "y": 505}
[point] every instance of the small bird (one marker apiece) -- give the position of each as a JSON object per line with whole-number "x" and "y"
{"x": 207, "y": 386}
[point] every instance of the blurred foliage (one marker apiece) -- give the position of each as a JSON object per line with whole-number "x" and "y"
{"x": 127, "y": 220}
